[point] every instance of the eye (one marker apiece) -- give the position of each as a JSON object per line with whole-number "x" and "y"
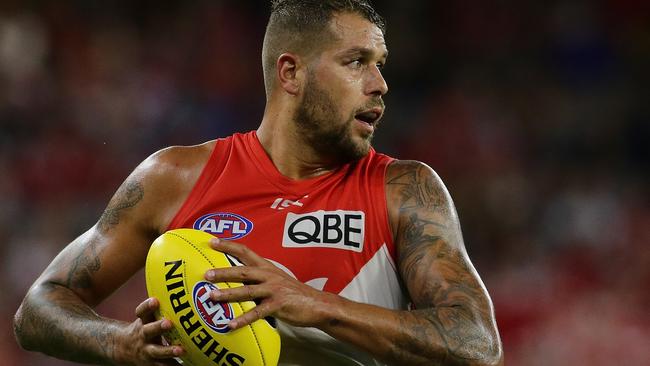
{"x": 356, "y": 64}
{"x": 380, "y": 65}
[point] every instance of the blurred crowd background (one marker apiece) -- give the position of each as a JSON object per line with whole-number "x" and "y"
{"x": 536, "y": 114}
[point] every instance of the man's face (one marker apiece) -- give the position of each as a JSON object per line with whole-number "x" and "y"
{"x": 342, "y": 100}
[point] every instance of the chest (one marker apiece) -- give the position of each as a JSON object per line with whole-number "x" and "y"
{"x": 323, "y": 238}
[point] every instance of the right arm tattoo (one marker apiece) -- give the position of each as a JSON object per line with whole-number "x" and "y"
{"x": 54, "y": 318}
{"x": 127, "y": 196}
{"x": 56, "y": 322}
{"x": 88, "y": 260}
{"x": 83, "y": 266}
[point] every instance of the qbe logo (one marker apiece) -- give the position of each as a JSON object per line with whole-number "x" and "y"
{"x": 325, "y": 229}
{"x": 215, "y": 315}
{"x": 227, "y": 226}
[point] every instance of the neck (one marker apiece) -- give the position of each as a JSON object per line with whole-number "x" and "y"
{"x": 290, "y": 153}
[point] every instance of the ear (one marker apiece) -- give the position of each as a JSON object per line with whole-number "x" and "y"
{"x": 288, "y": 76}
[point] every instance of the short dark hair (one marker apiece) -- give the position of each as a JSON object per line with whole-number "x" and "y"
{"x": 302, "y": 26}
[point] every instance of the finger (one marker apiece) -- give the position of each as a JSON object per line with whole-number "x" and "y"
{"x": 241, "y": 293}
{"x": 155, "y": 329}
{"x": 237, "y": 274}
{"x": 242, "y": 252}
{"x": 258, "y": 312}
{"x": 147, "y": 309}
{"x": 158, "y": 352}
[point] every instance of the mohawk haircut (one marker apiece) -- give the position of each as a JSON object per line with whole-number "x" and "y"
{"x": 302, "y": 27}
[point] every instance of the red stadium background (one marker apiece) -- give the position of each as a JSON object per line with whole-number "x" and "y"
{"x": 535, "y": 113}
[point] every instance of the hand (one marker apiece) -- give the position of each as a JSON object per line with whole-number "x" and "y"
{"x": 278, "y": 294}
{"x": 144, "y": 338}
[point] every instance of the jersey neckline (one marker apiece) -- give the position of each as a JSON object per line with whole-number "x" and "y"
{"x": 268, "y": 169}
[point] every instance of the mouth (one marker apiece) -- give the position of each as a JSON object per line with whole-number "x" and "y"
{"x": 370, "y": 116}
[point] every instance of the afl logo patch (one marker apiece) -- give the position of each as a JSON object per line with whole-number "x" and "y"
{"x": 215, "y": 315}
{"x": 227, "y": 226}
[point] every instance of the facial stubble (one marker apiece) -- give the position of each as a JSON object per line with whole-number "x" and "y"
{"x": 319, "y": 122}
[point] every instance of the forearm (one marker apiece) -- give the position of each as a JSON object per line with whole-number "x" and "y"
{"x": 55, "y": 321}
{"x": 435, "y": 336}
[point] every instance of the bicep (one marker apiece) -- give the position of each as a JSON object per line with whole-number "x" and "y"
{"x": 452, "y": 305}
{"x": 104, "y": 257}
{"x": 431, "y": 255}
{"x": 92, "y": 266}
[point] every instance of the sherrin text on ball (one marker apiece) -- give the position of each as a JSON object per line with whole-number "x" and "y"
{"x": 175, "y": 268}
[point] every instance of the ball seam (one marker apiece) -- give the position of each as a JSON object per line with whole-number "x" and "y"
{"x": 259, "y": 348}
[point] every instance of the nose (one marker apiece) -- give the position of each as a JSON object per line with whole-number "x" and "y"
{"x": 376, "y": 85}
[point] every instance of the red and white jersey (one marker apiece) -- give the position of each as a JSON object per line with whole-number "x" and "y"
{"x": 330, "y": 232}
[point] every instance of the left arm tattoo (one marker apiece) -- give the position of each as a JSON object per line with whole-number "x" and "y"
{"x": 453, "y": 310}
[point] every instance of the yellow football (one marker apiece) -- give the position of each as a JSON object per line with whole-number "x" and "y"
{"x": 175, "y": 269}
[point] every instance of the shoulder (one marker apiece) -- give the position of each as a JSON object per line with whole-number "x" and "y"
{"x": 413, "y": 178}
{"x": 165, "y": 179}
{"x": 413, "y": 187}
{"x": 399, "y": 167}
{"x": 176, "y": 159}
